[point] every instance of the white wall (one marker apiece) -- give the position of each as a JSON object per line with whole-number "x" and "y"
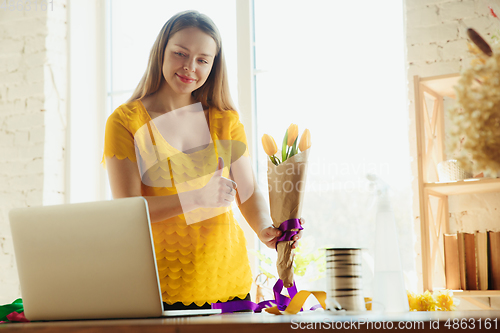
{"x": 33, "y": 79}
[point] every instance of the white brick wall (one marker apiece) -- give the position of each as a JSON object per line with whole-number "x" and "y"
{"x": 436, "y": 45}
{"x": 32, "y": 120}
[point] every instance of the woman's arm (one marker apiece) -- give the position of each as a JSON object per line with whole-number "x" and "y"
{"x": 125, "y": 181}
{"x": 256, "y": 213}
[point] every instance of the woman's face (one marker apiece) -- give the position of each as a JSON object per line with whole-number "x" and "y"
{"x": 188, "y": 60}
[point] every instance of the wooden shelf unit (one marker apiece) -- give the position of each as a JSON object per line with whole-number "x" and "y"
{"x": 430, "y": 152}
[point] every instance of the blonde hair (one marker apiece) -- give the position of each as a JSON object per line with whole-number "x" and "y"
{"x": 215, "y": 91}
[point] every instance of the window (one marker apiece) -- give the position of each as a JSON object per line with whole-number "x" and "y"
{"x": 337, "y": 68}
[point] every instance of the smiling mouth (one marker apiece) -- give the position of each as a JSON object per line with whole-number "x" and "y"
{"x": 183, "y": 79}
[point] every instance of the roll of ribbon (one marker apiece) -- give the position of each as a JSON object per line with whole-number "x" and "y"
{"x": 344, "y": 278}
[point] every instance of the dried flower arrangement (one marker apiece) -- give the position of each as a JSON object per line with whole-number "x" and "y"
{"x": 477, "y": 114}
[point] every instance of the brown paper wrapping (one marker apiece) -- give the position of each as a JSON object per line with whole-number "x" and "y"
{"x": 286, "y": 185}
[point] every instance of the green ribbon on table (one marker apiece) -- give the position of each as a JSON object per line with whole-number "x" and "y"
{"x": 16, "y": 306}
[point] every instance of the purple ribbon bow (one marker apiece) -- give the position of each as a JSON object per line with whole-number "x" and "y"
{"x": 287, "y": 234}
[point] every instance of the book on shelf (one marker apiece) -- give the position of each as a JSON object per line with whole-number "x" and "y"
{"x": 467, "y": 260}
{"x": 451, "y": 264}
{"x": 461, "y": 259}
{"x": 470, "y": 261}
{"x": 481, "y": 244}
{"x": 494, "y": 260}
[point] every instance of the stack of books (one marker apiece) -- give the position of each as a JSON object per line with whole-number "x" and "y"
{"x": 472, "y": 260}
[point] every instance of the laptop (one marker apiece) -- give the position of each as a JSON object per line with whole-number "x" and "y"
{"x": 90, "y": 260}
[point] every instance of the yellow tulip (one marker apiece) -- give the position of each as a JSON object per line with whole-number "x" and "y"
{"x": 269, "y": 145}
{"x": 293, "y": 132}
{"x": 305, "y": 140}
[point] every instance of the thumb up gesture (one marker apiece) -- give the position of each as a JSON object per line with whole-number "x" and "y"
{"x": 219, "y": 191}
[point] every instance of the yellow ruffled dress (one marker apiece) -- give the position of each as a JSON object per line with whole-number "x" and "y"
{"x": 206, "y": 259}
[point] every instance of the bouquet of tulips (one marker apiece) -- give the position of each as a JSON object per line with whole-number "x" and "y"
{"x": 286, "y": 183}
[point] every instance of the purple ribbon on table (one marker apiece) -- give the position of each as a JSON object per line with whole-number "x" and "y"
{"x": 287, "y": 233}
{"x": 280, "y": 301}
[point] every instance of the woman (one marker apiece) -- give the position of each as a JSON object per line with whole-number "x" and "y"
{"x": 200, "y": 248}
